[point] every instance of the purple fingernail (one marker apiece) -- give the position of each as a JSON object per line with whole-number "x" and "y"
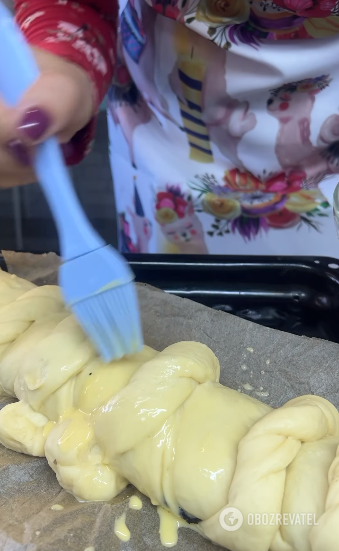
{"x": 34, "y": 124}
{"x": 18, "y": 150}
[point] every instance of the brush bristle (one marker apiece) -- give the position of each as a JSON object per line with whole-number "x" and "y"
{"x": 111, "y": 321}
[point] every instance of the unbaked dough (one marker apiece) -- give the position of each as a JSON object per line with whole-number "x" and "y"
{"x": 162, "y": 421}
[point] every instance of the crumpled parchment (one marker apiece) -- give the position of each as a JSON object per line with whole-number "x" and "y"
{"x": 279, "y": 367}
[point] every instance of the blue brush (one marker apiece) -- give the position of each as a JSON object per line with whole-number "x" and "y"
{"x": 97, "y": 283}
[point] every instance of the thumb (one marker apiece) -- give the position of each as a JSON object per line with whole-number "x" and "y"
{"x": 59, "y": 103}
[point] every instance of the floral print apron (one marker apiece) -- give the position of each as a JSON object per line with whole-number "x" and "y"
{"x": 224, "y": 126}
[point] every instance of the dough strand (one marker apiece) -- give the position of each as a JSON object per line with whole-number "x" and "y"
{"x": 162, "y": 422}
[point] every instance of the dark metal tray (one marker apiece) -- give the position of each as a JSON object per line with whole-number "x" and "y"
{"x": 297, "y": 295}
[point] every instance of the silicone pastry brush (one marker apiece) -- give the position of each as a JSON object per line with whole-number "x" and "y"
{"x": 96, "y": 282}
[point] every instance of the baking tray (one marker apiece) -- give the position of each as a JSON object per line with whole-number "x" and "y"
{"x": 296, "y": 295}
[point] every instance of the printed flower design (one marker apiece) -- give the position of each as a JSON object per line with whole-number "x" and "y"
{"x": 280, "y": 183}
{"x": 298, "y": 5}
{"x": 220, "y": 12}
{"x": 249, "y": 206}
{"x": 260, "y": 203}
{"x": 242, "y": 181}
{"x": 283, "y": 219}
{"x": 221, "y": 207}
{"x": 249, "y": 228}
{"x": 308, "y": 8}
{"x": 171, "y": 205}
{"x": 304, "y": 201}
{"x": 246, "y": 33}
{"x": 166, "y": 216}
{"x": 252, "y": 21}
{"x": 286, "y": 183}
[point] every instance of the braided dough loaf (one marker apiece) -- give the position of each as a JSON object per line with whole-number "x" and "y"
{"x": 162, "y": 422}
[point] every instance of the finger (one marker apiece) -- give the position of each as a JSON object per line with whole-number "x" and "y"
{"x": 60, "y": 103}
{"x": 13, "y": 152}
{"x": 10, "y": 181}
{"x": 50, "y": 108}
{"x": 12, "y": 173}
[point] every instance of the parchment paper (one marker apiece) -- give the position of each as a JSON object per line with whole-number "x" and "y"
{"x": 282, "y": 365}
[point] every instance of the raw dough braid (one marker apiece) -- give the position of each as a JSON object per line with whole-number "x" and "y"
{"x": 162, "y": 422}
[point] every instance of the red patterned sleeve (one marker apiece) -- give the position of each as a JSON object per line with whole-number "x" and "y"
{"x": 82, "y": 32}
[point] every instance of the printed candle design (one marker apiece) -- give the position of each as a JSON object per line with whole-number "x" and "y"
{"x": 191, "y": 74}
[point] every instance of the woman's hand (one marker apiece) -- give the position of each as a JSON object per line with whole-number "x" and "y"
{"x": 60, "y": 103}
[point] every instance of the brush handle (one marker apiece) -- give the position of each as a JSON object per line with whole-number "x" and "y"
{"x": 19, "y": 71}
